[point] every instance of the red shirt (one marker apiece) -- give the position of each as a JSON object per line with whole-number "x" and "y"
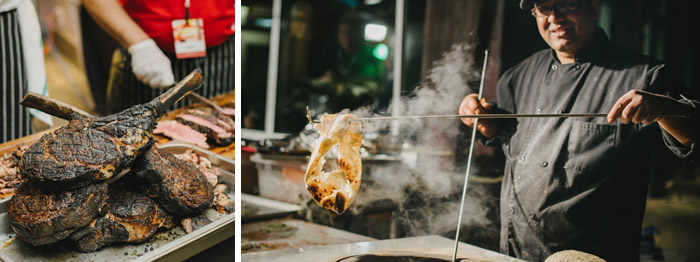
{"x": 155, "y": 17}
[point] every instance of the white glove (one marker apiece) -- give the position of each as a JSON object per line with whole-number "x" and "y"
{"x": 150, "y": 65}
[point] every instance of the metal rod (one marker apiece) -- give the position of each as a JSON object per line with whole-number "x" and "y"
{"x": 272, "y": 68}
{"x": 488, "y": 116}
{"x": 469, "y": 159}
{"x": 397, "y": 50}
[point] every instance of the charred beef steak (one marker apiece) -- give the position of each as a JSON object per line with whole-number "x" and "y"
{"x": 42, "y": 217}
{"x": 178, "y": 185}
{"x": 126, "y": 217}
{"x": 89, "y": 149}
{"x": 95, "y": 149}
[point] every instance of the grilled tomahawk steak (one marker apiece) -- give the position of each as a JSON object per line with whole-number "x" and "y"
{"x": 178, "y": 185}
{"x": 42, "y": 217}
{"x": 126, "y": 217}
{"x": 95, "y": 149}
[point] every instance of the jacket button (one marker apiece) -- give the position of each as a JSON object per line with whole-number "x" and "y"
{"x": 533, "y": 216}
{"x": 538, "y": 111}
{"x": 544, "y": 164}
{"x": 577, "y": 67}
{"x": 511, "y": 210}
{"x": 555, "y": 67}
{"x": 521, "y": 159}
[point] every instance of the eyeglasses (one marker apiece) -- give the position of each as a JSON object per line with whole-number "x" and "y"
{"x": 562, "y": 7}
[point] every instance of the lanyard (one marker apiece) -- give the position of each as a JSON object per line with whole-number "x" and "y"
{"x": 187, "y": 12}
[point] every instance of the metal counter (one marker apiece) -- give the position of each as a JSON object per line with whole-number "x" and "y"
{"x": 292, "y": 233}
{"x": 427, "y": 245}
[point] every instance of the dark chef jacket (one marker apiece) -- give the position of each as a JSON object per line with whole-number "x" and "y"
{"x": 689, "y": 153}
{"x": 575, "y": 183}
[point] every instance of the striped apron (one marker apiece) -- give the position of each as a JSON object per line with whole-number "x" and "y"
{"x": 15, "y": 119}
{"x": 125, "y": 90}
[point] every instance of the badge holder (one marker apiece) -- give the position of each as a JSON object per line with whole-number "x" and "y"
{"x": 188, "y": 35}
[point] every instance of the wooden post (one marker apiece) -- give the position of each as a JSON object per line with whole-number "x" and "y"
{"x": 478, "y": 22}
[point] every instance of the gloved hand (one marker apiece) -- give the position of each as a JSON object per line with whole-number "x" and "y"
{"x": 150, "y": 65}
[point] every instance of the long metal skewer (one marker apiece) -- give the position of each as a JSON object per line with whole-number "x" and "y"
{"x": 486, "y": 116}
{"x": 469, "y": 159}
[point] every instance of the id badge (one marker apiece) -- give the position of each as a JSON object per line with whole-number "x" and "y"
{"x": 189, "y": 39}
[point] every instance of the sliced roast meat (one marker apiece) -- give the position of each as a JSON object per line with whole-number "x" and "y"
{"x": 222, "y": 120}
{"x": 126, "y": 217}
{"x": 227, "y": 111}
{"x": 226, "y": 119}
{"x": 94, "y": 149}
{"x": 178, "y": 131}
{"x": 42, "y": 217}
{"x": 9, "y": 173}
{"x": 177, "y": 185}
{"x": 209, "y": 127}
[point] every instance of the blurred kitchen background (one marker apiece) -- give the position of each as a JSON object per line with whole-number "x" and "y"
{"x": 68, "y": 54}
{"x": 384, "y": 57}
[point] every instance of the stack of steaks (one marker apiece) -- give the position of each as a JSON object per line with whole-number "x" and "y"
{"x": 69, "y": 191}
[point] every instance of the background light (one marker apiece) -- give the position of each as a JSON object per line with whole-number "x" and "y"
{"x": 263, "y": 22}
{"x": 374, "y": 32}
{"x": 244, "y": 14}
{"x": 381, "y": 52}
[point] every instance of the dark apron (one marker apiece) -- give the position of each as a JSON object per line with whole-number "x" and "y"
{"x": 15, "y": 121}
{"x": 125, "y": 90}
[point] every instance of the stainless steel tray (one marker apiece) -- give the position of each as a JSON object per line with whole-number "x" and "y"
{"x": 255, "y": 208}
{"x": 4, "y": 202}
{"x": 166, "y": 245}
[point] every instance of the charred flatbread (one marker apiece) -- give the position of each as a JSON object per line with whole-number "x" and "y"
{"x": 336, "y": 189}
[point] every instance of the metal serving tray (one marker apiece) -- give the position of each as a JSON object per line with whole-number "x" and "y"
{"x": 255, "y": 208}
{"x": 165, "y": 245}
{"x": 4, "y": 202}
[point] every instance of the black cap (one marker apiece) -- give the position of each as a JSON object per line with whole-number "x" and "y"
{"x": 526, "y": 4}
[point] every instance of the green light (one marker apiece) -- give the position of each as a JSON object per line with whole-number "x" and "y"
{"x": 381, "y": 52}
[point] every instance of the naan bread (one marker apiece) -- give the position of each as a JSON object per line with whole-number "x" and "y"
{"x": 335, "y": 190}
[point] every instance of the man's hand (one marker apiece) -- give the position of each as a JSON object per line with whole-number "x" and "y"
{"x": 472, "y": 106}
{"x": 638, "y": 106}
{"x": 643, "y": 107}
{"x": 150, "y": 65}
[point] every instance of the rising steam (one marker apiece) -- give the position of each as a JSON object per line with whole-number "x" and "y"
{"x": 426, "y": 183}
